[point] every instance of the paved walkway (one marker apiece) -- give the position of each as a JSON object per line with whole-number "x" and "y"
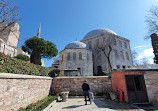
{"x": 99, "y": 104}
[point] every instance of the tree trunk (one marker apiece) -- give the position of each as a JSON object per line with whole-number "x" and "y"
{"x": 108, "y": 58}
{"x": 35, "y": 58}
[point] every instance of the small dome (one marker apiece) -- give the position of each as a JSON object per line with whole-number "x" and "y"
{"x": 76, "y": 45}
{"x": 98, "y": 31}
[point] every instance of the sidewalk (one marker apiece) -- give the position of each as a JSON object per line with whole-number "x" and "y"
{"x": 78, "y": 104}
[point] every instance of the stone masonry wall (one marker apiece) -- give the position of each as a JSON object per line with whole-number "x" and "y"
{"x": 21, "y": 90}
{"x": 98, "y": 84}
{"x": 151, "y": 81}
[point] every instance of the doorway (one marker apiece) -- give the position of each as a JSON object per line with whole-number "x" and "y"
{"x": 136, "y": 89}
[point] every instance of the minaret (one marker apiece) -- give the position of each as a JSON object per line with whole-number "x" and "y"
{"x": 39, "y": 31}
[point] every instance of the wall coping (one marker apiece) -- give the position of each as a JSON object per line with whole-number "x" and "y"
{"x": 83, "y": 77}
{"x": 21, "y": 76}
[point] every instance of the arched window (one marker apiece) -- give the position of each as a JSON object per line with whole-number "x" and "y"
{"x": 68, "y": 56}
{"x": 116, "y": 54}
{"x": 80, "y": 56}
{"x": 74, "y": 56}
{"x": 114, "y": 41}
{"x": 122, "y": 56}
{"x": 125, "y": 44}
{"x": 90, "y": 45}
{"x": 97, "y": 41}
{"x": 127, "y": 56}
{"x": 120, "y": 43}
{"x": 87, "y": 56}
{"x": 62, "y": 58}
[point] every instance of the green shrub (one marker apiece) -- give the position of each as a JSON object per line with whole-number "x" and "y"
{"x": 55, "y": 73}
{"x": 22, "y": 57}
{"x": 40, "y": 105}
{"x": 103, "y": 73}
{"x": 17, "y": 66}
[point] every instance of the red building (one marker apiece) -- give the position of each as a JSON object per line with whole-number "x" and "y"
{"x": 136, "y": 85}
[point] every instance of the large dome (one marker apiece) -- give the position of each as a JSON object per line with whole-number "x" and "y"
{"x": 76, "y": 45}
{"x": 98, "y": 31}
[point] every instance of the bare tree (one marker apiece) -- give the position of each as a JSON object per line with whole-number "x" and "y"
{"x": 105, "y": 45}
{"x": 144, "y": 61}
{"x": 134, "y": 56}
{"x": 152, "y": 21}
{"x": 8, "y": 14}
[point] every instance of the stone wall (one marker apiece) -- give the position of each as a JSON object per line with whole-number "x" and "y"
{"x": 98, "y": 84}
{"x": 151, "y": 81}
{"x": 21, "y": 90}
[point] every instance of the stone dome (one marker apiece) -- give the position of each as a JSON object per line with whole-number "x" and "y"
{"x": 98, "y": 31}
{"x": 76, "y": 45}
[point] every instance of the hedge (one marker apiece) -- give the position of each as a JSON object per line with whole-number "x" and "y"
{"x": 17, "y": 66}
{"x": 22, "y": 57}
{"x": 40, "y": 105}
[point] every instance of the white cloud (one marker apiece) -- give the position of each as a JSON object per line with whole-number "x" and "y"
{"x": 151, "y": 61}
{"x": 142, "y": 46}
{"x": 139, "y": 46}
{"x": 147, "y": 54}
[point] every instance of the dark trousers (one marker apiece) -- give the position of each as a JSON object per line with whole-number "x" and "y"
{"x": 86, "y": 94}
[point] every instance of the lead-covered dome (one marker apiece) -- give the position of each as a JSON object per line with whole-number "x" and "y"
{"x": 98, "y": 31}
{"x": 76, "y": 45}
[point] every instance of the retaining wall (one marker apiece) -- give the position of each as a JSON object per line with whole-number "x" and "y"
{"x": 21, "y": 90}
{"x": 98, "y": 84}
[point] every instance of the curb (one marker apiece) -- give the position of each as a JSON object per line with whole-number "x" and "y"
{"x": 50, "y": 105}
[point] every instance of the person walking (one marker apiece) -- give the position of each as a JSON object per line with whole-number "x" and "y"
{"x": 86, "y": 88}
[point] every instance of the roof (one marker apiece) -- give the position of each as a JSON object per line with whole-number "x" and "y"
{"x": 98, "y": 31}
{"x": 76, "y": 45}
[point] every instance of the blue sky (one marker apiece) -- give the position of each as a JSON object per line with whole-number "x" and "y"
{"x": 64, "y": 21}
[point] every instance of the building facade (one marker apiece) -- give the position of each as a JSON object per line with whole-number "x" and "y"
{"x": 120, "y": 53}
{"x": 120, "y": 56}
{"x": 75, "y": 60}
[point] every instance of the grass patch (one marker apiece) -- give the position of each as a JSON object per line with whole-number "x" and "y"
{"x": 40, "y": 105}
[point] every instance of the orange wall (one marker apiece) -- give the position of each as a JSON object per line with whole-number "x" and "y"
{"x": 119, "y": 83}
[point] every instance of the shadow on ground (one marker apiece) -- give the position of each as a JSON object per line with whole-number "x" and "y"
{"x": 71, "y": 107}
{"x": 120, "y": 106}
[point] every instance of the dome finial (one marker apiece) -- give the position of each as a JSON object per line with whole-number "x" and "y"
{"x": 39, "y": 31}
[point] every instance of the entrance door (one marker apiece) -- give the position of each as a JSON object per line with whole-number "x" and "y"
{"x": 136, "y": 89}
{"x": 99, "y": 69}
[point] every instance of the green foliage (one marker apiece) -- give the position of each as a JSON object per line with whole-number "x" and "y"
{"x": 103, "y": 73}
{"x": 17, "y": 66}
{"x": 40, "y": 105}
{"x": 38, "y": 47}
{"x": 55, "y": 73}
{"x": 22, "y": 57}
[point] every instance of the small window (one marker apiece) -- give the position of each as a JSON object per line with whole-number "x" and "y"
{"x": 118, "y": 66}
{"x": 116, "y": 54}
{"x": 123, "y": 67}
{"x": 80, "y": 56}
{"x": 62, "y": 58}
{"x": 120, "y": 43}
{"x": 122, "y": 56}
{"x": 127, "y": 56}
{"x": 90, "y": 45}
{"x": 125, "y": 44}
{"x": 128, "y": 66}
{"x": 114, "y": 41}
{"x": 68, "y": 56}
{"x": 87, "y": 56}
{"x": 74, "y": 56}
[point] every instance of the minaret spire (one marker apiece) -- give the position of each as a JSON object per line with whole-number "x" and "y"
{"x": 39, "y": 31}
